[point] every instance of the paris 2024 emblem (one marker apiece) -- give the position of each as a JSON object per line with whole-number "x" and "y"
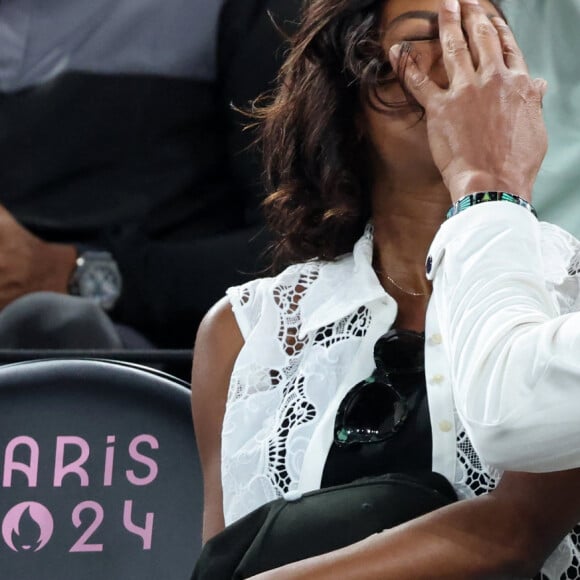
{"x": 28, "y": 526}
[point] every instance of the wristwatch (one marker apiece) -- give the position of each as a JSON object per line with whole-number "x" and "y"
{"x": 96, "y": 277}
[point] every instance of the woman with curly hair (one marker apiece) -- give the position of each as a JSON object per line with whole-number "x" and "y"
{"x": 387, "y": 112}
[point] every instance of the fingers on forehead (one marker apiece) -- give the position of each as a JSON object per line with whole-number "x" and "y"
{"x": 455, "y": 48}
{"x": 513, "y": 56}
{"x": 450, "y": 14}
{"x": 483, "y": 36}
{"x": 477, "y": 18}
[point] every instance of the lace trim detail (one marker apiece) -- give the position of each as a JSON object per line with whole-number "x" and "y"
{"x": 355, "y": 325}
{"x": 568, "y": 290}
{"x": 272, "y": 410}
{"x": 244, "y": 296}
{"x": 287, "y": 298}
{"x": 471, "y": 478}
{"x": 296, "y": 411}
{"x": 561, "y": 257}
{"x": 574, "y": 268}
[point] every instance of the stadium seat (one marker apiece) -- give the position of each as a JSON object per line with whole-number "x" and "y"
{"x": 100, "y": 478}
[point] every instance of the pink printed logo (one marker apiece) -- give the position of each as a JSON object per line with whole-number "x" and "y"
{"x": 28, "y": 526}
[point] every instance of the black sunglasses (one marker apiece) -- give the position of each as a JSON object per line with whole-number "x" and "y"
{"x": 376, "y": 408}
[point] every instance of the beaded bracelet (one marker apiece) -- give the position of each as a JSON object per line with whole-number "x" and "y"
{"x": 483, "y": 196}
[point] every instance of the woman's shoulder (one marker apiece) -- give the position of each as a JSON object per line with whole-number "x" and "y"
{"x": 258, "y": 286}
{"x": 253, "y": 300}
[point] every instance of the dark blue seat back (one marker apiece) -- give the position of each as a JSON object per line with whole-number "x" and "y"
{"x": 99, "y": 473}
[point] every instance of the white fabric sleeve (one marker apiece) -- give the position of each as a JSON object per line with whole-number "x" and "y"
{"x": 515, "y": 361}
{"x": 245, "y": 304}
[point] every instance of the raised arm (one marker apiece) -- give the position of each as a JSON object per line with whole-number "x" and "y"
{"x": 217, "y": 345}
{"x": 515, "y": 360}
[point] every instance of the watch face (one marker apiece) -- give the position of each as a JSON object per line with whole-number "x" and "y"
{"x": 100, "y": 280}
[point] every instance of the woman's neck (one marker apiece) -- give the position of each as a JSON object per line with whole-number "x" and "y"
{"x": 405, "y": 223}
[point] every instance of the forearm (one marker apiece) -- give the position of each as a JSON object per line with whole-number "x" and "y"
{"x": 508, "y": 533}
{"x": 57, "y": 263}
{"x": 512, "y": 355}
{"x": 471, "y": 539}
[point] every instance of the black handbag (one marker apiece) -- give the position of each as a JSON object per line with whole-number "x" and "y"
{"x": 320, "y": 521}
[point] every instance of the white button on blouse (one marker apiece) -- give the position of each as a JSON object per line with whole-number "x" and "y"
{"x": 435, "y": 339}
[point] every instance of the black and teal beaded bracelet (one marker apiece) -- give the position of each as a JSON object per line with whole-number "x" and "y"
{"x": 483, "y": 196}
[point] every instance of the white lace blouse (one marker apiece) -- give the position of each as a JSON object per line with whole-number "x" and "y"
{"x": 309, "y": 335}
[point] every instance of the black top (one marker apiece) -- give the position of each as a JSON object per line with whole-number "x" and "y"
{"x": 408, "y": 450}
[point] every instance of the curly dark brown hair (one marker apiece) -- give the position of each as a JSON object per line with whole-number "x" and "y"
{"x": 316, "y": 163}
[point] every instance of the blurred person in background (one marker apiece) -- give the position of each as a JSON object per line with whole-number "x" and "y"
{"x": 126, "y": 202}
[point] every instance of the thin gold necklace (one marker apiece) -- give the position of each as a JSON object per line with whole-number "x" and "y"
{"x": 405, "y": 290}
